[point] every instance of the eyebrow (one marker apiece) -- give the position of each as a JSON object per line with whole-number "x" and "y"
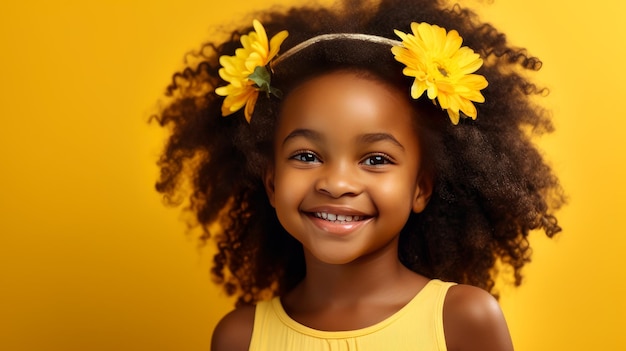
{"x": 306, "y": 133}
{"x": 369, "y": 138}
{"x": 375, "y": 137}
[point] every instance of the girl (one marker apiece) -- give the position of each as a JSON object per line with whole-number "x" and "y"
{"x": 356, "y": 164}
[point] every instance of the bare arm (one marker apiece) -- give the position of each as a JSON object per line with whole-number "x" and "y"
{"x": 473, "y": 321}
{"x": 234, "y": 331}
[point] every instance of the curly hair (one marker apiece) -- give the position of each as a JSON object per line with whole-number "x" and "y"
{"x": 492, "y": 187}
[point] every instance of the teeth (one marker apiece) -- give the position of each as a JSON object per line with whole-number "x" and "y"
{"x": 337, "y": 218}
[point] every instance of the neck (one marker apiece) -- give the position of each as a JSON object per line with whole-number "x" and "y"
{"x": 370, "y": 277}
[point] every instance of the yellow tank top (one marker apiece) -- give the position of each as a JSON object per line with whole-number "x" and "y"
{"x": 416, "y": 326}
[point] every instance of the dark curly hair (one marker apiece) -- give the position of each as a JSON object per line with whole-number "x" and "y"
{"x": 491, "y": 184}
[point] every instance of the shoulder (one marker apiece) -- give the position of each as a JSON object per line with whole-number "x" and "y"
{"x": 473, "y": 320}
{"x": 234, "y": 330}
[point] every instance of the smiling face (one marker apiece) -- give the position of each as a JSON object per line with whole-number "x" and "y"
{"x": 346, "y": 170}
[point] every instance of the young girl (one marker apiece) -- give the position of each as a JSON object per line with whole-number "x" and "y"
{"x": 352, "y": 163}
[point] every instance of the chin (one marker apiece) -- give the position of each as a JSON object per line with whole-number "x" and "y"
{"x": 338, "y": 258}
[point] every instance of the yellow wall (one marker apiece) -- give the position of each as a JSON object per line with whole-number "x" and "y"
{"x": 91, "y": 260}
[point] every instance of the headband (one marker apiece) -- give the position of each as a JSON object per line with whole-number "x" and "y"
{"x": 434, "y": 57}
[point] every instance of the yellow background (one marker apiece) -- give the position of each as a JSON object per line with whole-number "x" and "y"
{"x": 91, "y": 260}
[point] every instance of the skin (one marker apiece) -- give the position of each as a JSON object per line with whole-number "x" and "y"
{"x": 346, "y": 145}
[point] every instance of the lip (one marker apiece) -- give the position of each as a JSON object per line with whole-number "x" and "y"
{"x": 339, "y": 228}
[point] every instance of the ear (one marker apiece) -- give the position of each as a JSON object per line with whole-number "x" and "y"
{"x": 268, "y": 182}
{"x": 423, "y": 190}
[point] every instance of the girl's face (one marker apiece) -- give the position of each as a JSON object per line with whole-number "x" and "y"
{"x": 346, "y": 174}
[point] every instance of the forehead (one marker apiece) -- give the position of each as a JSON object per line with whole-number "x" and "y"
{"x": 350, "y": 98}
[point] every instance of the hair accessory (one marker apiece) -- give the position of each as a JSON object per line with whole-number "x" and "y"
{"x": 335, "y": 36}
{"x": 442, "y": 68}
{"x": 246, "y": 71}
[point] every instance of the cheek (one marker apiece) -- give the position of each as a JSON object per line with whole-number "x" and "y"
{"x": 394, "y": 199}
{"x": 289, "y": 191}
{"x": 395, "y": 204}
{"x": 395, "y": 192}
{"x": 289, "y": 194}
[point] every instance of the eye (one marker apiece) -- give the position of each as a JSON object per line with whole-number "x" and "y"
{"x": 377, "y": 160}
{"x": 305, "y": 156}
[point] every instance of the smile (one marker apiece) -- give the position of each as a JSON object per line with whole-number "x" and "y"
{"x": 338, "y": 218}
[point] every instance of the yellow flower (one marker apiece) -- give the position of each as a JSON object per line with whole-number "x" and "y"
{"x": 236, "y": 70}
{"x": 442, "y": 68}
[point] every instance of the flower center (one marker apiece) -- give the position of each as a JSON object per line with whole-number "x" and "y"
{"x": 442, "y": 70}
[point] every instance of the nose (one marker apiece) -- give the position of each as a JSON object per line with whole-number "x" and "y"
{"x": 339, "y": 179}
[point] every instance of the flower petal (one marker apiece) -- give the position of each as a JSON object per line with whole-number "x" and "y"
{"x": 275, "y": 43}
{"x": 250, "y": 106}
{"x": 453, "y": 43}
{"x": 260, "y": 32}
{"x": 454, "y": 116}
